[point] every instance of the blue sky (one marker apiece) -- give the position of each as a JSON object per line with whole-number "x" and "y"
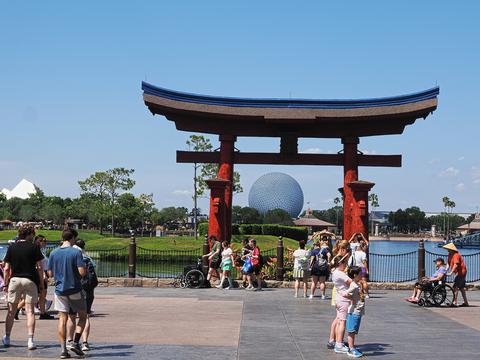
{"x": 71, "y": 103}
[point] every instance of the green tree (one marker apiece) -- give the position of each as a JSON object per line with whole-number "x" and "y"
{"x": 277, "y": 216}
{"x": 146, "y": 208}
{"x": 245, "y": 215}
{"x": 106, "y": 186}
{"x": 95, "y": 189}
{"x": 207, "y": 171}
{"x": 171, "y": 216}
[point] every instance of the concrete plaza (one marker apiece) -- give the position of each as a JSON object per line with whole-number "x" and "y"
{"x": 138, "y": 323}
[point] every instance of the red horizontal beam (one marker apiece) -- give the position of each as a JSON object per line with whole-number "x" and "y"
{"x": 288, "y": 159}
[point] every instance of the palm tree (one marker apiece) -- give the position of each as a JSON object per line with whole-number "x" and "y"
{"x": 446, "y": 201}
{"x": 451, "y": 205}
{"x": 336, "y": 201}
{"x": 373, "y": 199}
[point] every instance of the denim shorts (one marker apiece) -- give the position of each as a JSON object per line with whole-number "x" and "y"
{"x": 353, "y": 323}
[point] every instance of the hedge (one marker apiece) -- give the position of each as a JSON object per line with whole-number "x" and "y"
{"x": 291, "y": 232}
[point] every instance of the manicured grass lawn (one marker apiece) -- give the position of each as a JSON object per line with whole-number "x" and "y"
{"x": 95, "y": 241}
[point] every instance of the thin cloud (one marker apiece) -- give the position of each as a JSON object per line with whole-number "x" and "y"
{"x": 181, "y": 192}
{"x": 369, "y": 152}
{"x": 433, "y": 161}
{"x": 311, "y": 151}
{"x": 461, "y": 158}
{"x": 460, "y": 187}
{"x": 449, "y": 172}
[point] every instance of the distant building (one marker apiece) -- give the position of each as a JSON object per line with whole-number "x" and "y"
{"x": 23, "y": 190}
{"x": 313, "y": 223}
{"x": 474, "y": 226}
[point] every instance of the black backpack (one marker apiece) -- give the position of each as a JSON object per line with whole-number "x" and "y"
{"x": 90, "y": 280}
{"x": 320, "y": 263}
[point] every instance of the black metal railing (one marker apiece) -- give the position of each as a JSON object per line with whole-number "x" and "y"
{"x": 110, "y": 263}
{"x": 393, "y": 267}
{"x": 164, "y": 263}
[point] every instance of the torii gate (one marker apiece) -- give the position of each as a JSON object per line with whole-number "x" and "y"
{"x": 289, "y": 120}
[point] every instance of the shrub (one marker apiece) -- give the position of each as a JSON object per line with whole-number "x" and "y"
{"x": 256, "y": 229}
{"x": 235, "y": 229}
{"x": 293, "y": 232}
{"x": 203, "y": 228}
{"x": 271, "y": 229}
{"x": 246, "y": 229}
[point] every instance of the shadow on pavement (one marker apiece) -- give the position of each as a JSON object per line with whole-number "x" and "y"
{"x": 375, "y": 349}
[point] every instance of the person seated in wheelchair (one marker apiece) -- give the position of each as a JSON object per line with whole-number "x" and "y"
{"x": 428, "y": 284}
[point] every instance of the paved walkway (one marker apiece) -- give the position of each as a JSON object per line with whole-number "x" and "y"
{"x": 138, "y": 323}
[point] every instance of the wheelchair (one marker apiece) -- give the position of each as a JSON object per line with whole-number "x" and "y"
{"x": 192, "y": 277}
{"x": 436, "y": 294}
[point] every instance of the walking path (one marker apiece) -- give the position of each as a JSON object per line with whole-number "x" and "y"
{"x": 140, "y": 323}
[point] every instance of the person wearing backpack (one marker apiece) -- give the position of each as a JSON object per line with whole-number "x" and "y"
{"x": 301, "y": 268}
{"x": 319, "y": 268}
{"x": 89, "y": 283}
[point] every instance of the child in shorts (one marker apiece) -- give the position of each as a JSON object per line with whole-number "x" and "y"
{"x": 342, "y": 283}
{"x": 356, "y": 309}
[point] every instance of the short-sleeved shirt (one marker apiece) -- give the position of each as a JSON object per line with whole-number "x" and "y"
{"x": 358, "y": 258}
{"x": 23, "y": 257}
{"x": 301, "y": 259}
{"x": 256, "y": 260}
{"x": 440, "y": 271}
{"x": 64, "y": 263}
{"x": 339, "y": 279}
{"x": 226, "y": 254}
{"x": 215, "y": 247}
{"x": 456, "y": 258}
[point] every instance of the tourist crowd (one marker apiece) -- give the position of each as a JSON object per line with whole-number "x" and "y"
{"x": 25, "y": 274}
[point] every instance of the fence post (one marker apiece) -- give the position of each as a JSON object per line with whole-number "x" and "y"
{"x": 280, "y": 259}
{"x": 206, "y": 250}
{"x": 421, "y": 259}
{"x": 132, "y": 257}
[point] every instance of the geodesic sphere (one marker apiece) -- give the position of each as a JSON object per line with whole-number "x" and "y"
{"x": 276, "y": 191}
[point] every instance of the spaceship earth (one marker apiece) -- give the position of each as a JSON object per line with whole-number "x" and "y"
{"x": 276, "y": 191}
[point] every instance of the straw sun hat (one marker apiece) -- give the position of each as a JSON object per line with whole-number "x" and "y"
{"x": 450, "y": 246}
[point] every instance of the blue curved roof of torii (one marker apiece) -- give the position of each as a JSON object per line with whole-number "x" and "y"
{"x": 150, "y": 89}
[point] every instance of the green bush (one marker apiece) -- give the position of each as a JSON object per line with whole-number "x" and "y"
{"x": 272, "y": 229}
{"x": 203, "y": 228}
{"x": 235, "y": 229}
{"x": 293, "y": 232}
{"x": 257, "y": 229}
{"x": 245, "y": 229}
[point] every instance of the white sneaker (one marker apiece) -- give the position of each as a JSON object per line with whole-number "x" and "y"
{"x": 36, "y": 311}
{"x": 31, "y": 345}
{"x": 367, "y": 296}
{"x": 323, "y": 297}
{"x": 249, "y": 287}
{"x": 310, "y": 297}
{"x": 227, "y": 288}
{"x": 6, "y": 340}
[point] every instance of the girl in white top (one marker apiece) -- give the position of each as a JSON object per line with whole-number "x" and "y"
{"x": 226, "y": 265}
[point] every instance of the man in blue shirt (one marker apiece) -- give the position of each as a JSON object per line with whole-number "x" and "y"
{"x": 67, "y": 267}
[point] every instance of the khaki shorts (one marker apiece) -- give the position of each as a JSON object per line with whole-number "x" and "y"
{"x": 71, "y": 303}
{"x": 22, "y": 286}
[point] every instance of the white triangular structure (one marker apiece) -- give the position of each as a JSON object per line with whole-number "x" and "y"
{"x": 23, "y": 190}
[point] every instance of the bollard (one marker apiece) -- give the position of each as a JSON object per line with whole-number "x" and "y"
{"x": 132, "y": 257}
{"x": 421, "y": 259}
{"x": 206, "y": 250}
{"x": 279, "y": 274}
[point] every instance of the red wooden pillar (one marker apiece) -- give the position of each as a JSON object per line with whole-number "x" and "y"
{"x": 359, "y": 210}
{"x": 350, "y": 174}
{"x": 225, "y": 172}
{"x": 217, "y": 219}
